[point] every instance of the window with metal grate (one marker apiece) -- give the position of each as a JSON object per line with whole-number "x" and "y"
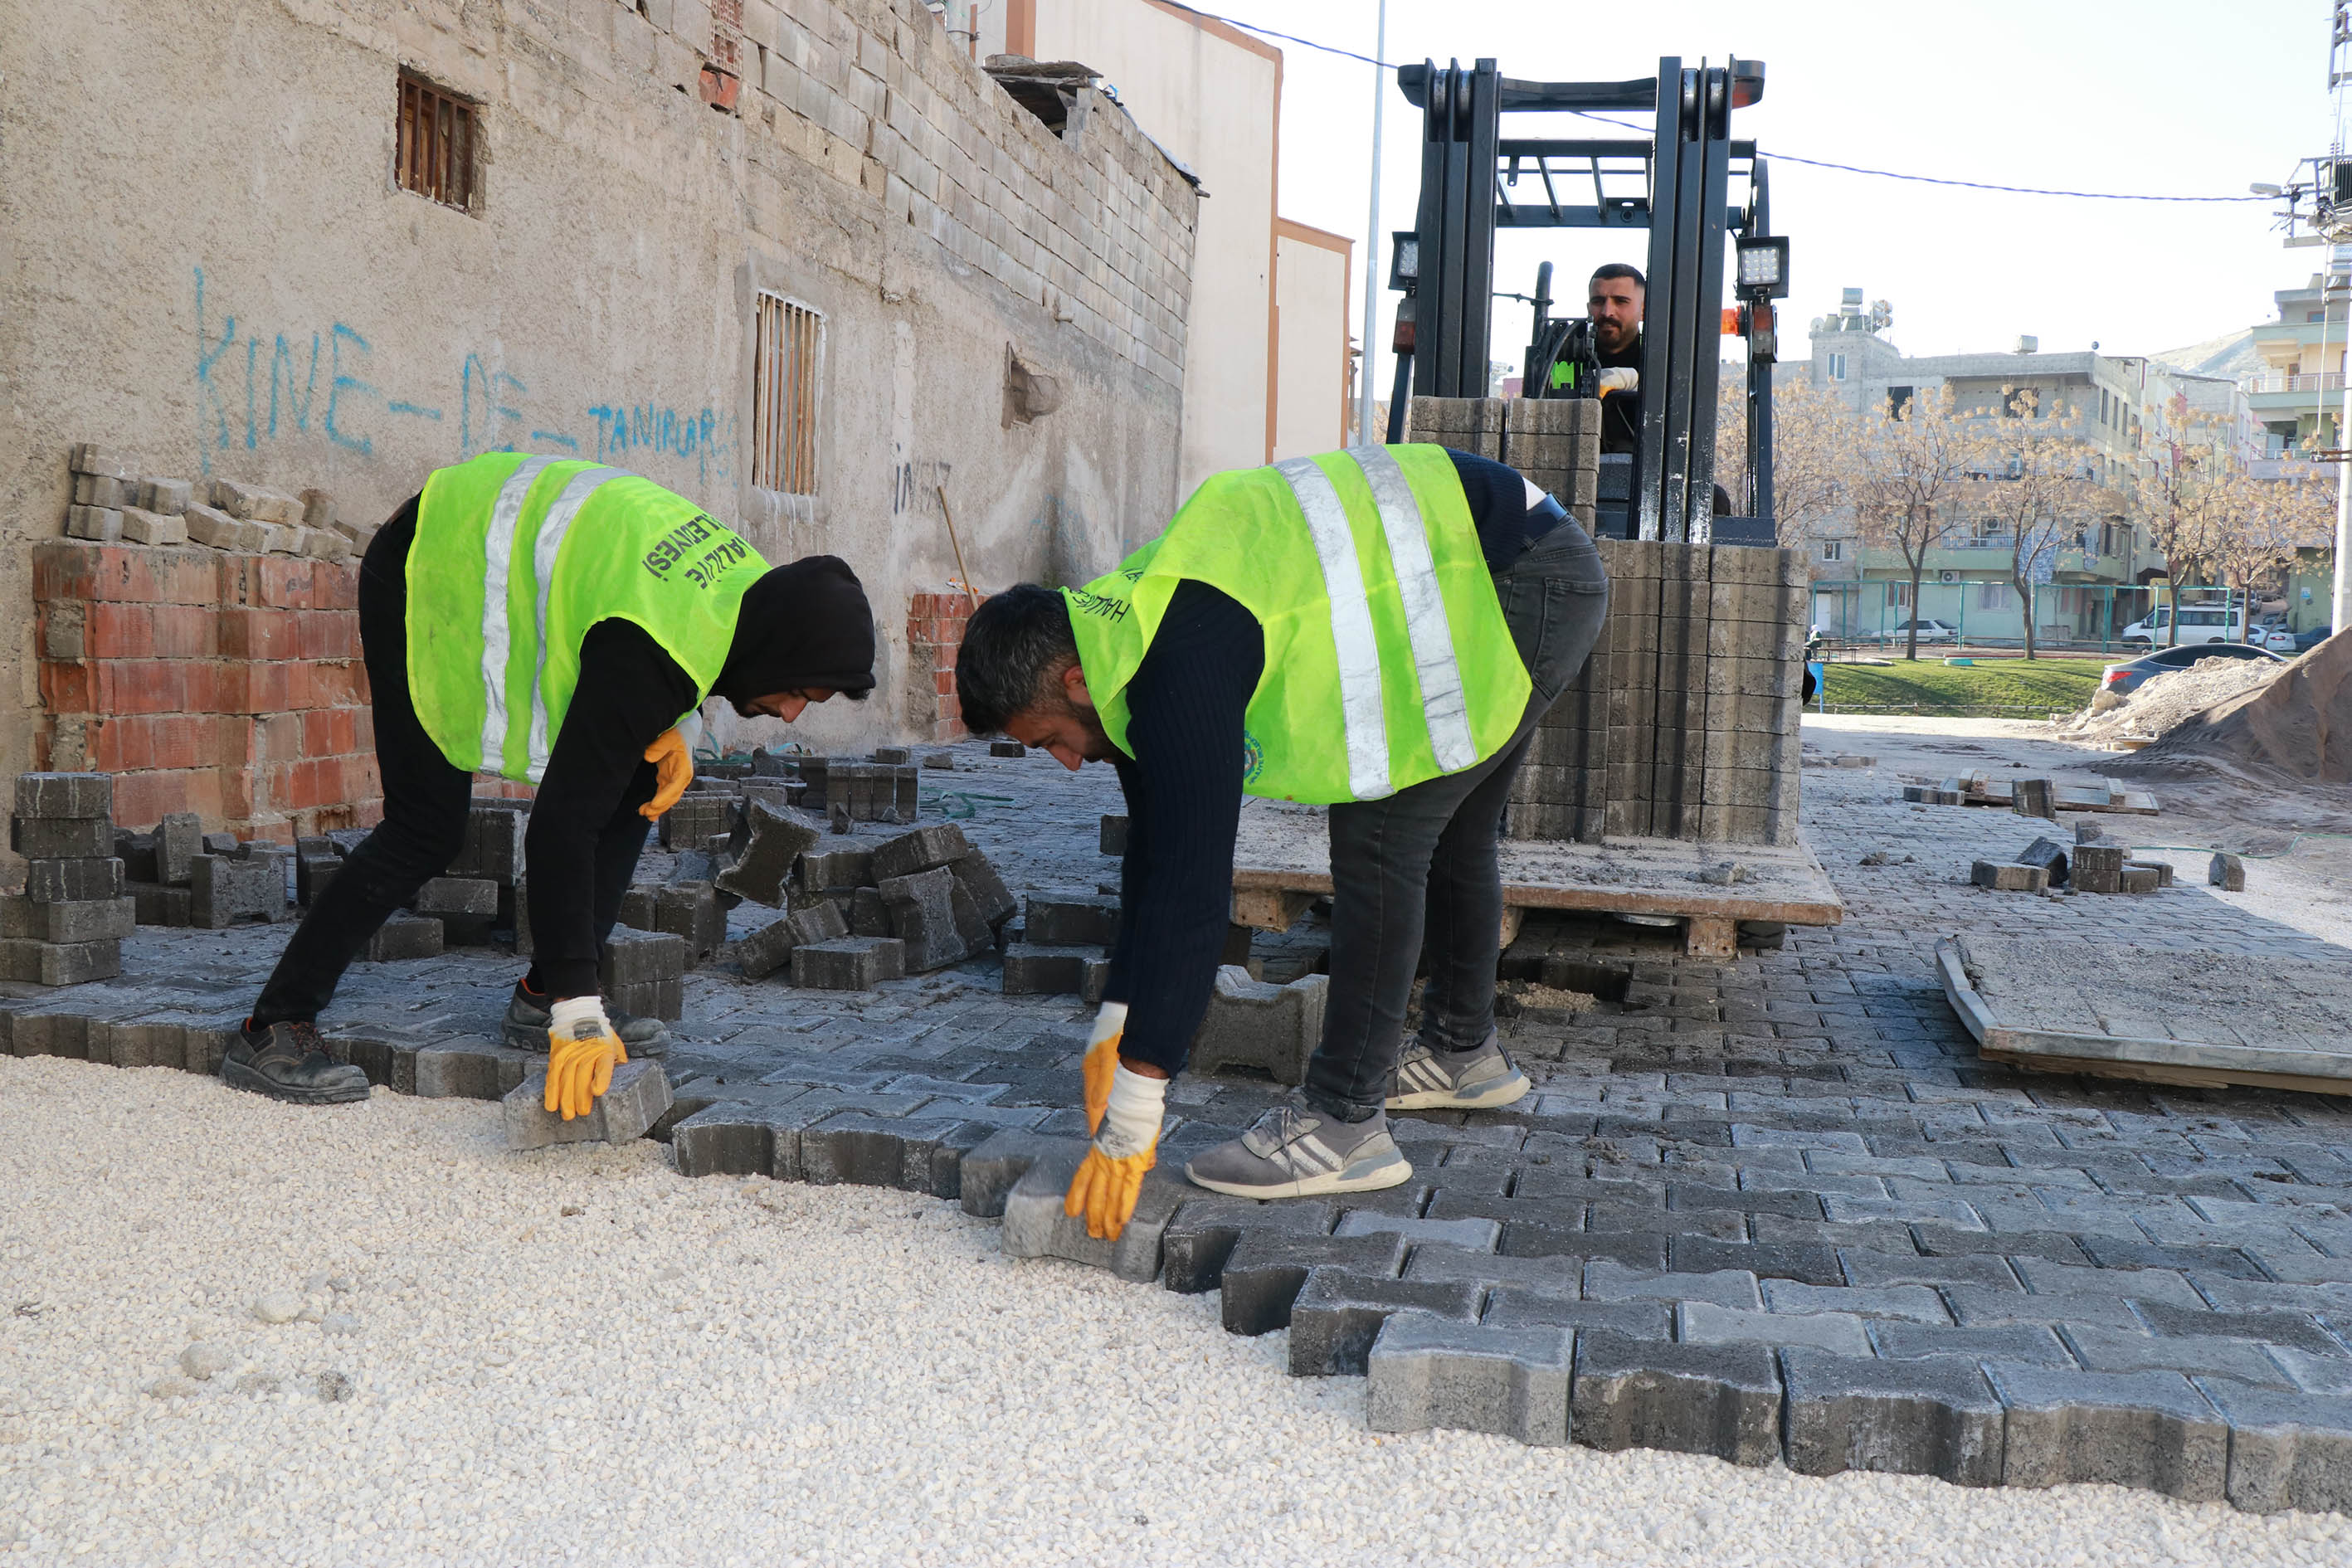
{"x": 435, "y": 156}
{"x": 787, "y": 371}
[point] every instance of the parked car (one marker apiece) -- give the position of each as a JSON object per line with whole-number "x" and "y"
{"x": 2306, "y": 641}
{"x": 2127, "y": 678}
{"x": 2199, "y": 623}
{"x": 2277, "y": 636}
{"x": 1929, "y": 631}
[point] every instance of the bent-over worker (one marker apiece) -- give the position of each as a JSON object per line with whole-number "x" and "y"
{"x": 560, "y": 623}
{"x": 1378, "y": 629}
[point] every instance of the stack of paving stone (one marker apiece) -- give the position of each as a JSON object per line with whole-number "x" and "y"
{"x": 1684, "y": 721}
{"x": 67, "y": 925}
{"x": 112, "y": 503}
{"x": 1064, "y": 946}
{"x": 1554, "y": 441}
{"x": 857, "y": 913}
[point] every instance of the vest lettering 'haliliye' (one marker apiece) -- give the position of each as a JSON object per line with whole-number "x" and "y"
{"x": 1387, "y": 659}
{"x": 516, "y": 558}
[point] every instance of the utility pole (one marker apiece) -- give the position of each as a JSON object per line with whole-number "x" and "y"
{"x": 1373, "y": 248}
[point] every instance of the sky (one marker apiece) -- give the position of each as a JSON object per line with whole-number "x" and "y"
{"x": 2171, "y": 97}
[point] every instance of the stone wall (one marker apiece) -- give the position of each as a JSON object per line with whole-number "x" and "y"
{"x": 242, "y": 289}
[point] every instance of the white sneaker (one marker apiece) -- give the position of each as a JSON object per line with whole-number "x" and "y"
{"x": 1456, "y": 1081}
{"x": 1295, "y": 1152}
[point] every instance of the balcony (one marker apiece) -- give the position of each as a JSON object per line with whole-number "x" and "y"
{"x": 2287, "y": 469}
{"x": 2330, "y": 381}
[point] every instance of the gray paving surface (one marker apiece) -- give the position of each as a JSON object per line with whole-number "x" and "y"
{"x": 1784, "y": 1184}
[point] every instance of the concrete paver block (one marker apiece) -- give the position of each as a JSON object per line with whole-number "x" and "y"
{"x": 65, "y": 794}
{"x": 849, "y": 962}
{"x": 2147, "y": 1430}
{"x": 638, "y": 1096}
{"x": 1274, "y": 1028}
{"x": 1468, "y": 1234}
{"x": 1071, "y": 920}
{"x": 778, "y": 839}
{"x": 179, "y": 839}
{"x": 1723, "y": 1400}
{"x": 1336, "y": 1315}
{"x": 924, "y": 849}
{"x": 1267, "y": 1270}
{"x": 1201, "y": 1237}
{"x": 923, "y": 917}
{"x": 2006, "y": 879}
{"x": 1923, "y": 1417}
{"x": 404, "y": 936}
{"x": 2227, "y": 873}
{"x": 1036, "y": 1227}
{"x": 990, "y": 898}
{"x": 1031, "y": 969}
{"x": 2286, "y": 1450}
{"x": 62, "y": 837}
{"x": 1426, "y": 1372}
{"x": 224, "y": 892}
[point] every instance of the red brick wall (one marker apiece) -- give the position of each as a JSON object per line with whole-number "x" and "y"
{"x": 934, "y": 632}
{"x": 226, "y": 685}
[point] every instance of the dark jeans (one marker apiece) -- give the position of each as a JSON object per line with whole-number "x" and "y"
{"x": 425, "y": 802}
{"x": 1423, "y": 861}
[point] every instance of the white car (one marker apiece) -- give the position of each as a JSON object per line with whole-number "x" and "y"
{"x": 1929, "y": 631}
{"x": 2278, "y": 638}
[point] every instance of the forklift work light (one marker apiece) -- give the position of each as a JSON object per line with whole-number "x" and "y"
{"x": 1764, "y": 267}
{"x": 1404, "y": 258}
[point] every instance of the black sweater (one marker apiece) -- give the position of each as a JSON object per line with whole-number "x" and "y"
{"x": 1183, "y": 782}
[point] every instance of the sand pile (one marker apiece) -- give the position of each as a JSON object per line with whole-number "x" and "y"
{"x": 2165, "y": 701}
{"x": 2297, "y": 722}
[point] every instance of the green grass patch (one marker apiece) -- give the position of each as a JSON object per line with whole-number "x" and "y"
{"x": 1930, "y": 686}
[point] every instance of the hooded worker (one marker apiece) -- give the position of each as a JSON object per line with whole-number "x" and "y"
{"x": 559, "y": 623}
{"x": 1379, "y": 629}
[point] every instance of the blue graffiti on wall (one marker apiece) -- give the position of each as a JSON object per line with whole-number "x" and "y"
{"x": 494, "y": 407}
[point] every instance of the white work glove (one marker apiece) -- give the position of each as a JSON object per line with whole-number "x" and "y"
{"x": 1619, "y": 378}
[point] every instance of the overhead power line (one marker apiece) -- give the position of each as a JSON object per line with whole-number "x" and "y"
{"x": 1781, "y": 157}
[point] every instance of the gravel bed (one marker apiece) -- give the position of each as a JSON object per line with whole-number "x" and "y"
{"x": 576, "y": 1354}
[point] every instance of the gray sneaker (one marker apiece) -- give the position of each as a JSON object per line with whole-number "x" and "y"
{"x": 1456, "y": 1081}
{"x": 528, "y": 1017}
{"x": 1295, "y": 1152}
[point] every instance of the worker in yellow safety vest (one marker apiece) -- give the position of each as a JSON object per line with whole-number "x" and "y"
{"x": 1378, "y": 630}
{"x": 561, "y": 623}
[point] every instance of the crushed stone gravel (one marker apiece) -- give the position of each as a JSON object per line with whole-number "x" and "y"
{"x": 742, "y": 1371}
{"x": 2162, "y": 703}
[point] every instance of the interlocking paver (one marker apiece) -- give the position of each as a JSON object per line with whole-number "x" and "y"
{"x": 1812, "y": 1117}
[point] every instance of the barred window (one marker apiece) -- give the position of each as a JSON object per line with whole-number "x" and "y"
{"x": 787, "y": 362}
{"x": 436, "y": 152}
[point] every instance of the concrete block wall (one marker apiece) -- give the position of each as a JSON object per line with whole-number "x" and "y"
{"x": 340, "y": 331}
{"x": 225, "y": 684}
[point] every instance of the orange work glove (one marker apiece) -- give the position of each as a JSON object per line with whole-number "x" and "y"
{"x": 673, "y": 767}
{"x": 1102, "y": 1058}
{"x": 1126, "y": 1146}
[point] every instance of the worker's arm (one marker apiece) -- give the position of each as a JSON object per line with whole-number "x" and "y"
{"x": 628, "y": 693}
{"x": 1184, "y": 789}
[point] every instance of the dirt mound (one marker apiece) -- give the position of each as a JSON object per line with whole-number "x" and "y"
{"x": 2297, "y": 722}
{"x": 2164, "y": 701}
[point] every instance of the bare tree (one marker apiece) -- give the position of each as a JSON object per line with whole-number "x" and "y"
{"x": 2182, "y": 492}
{"x": 1814, "y": 433}
{"x": 1909, "y": 478}
{"x": 2040, "y": 488}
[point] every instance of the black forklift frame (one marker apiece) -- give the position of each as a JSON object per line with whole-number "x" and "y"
{"x": 1469, "y": 173}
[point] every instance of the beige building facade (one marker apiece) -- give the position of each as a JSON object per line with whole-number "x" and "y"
{"x": 802, "y": 261}
{"x": 1268, "y": 366}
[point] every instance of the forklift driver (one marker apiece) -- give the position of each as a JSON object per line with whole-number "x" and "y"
{"x": 1614, "y": 302}
{"x": 1615, "y": 305}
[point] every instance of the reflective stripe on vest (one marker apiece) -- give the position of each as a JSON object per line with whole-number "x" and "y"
{"x": 1388, "y": 661}
{"x": 496, "y": 647}
{"x": 543, "y": 551}
{"x": 1351, "y": 626}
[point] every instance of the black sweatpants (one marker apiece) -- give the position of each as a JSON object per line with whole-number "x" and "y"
{"x": 425, "y": 802}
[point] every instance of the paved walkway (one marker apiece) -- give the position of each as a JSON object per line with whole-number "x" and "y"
{"x": 1782, "y": 1206}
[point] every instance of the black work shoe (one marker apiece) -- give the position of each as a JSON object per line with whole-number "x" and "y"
{"x": 528, "y": 1018}
{"x": 288, "y": 1062}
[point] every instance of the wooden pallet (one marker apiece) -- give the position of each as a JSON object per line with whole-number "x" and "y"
{"x": 2213, "y": 1040}
{"x": 2107, "y": 796}
{"x": 1282, "y": 863}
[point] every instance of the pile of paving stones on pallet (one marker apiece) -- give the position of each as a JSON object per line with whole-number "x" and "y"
{"x": 113, "y": 503}
{"x": 2096, "y": 864}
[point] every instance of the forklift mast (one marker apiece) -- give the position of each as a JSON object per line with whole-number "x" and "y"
{"x": 1675, "y": 182}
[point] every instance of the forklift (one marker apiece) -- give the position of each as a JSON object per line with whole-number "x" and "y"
{"x": 1675, "y": 182}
